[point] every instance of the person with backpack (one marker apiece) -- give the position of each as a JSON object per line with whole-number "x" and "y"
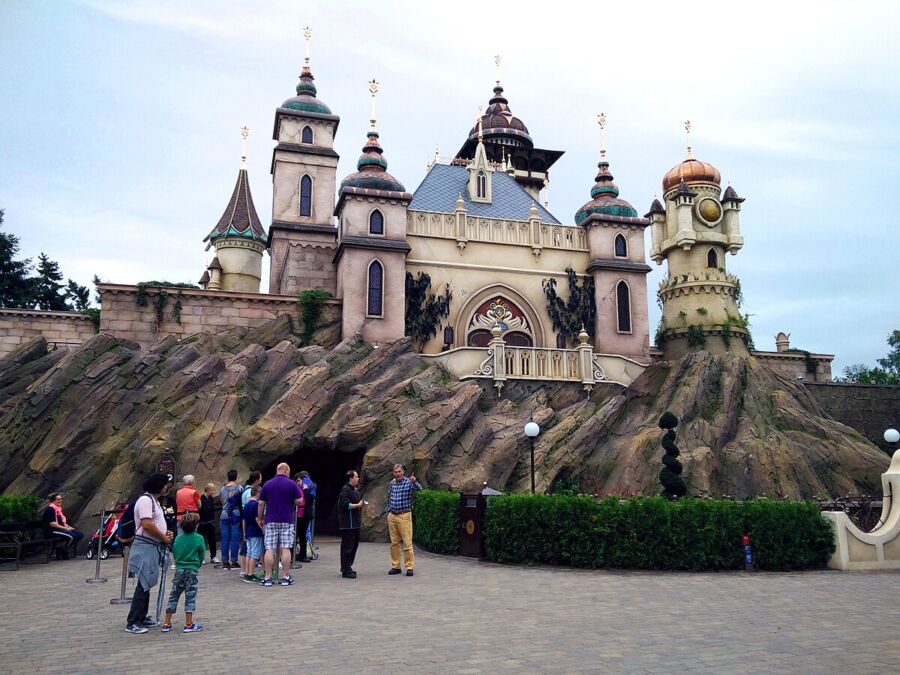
{"x": 148, "y": 548}
{"x": 254, "y": 479}
{"x": 207, "y": 526}
{"x": 230, "y": 521}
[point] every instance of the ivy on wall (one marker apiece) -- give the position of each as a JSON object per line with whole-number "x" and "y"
{"x": 162, "y": 298}
{"x": 580, "y": 310}
{"x": 424, "y": 309}
{"x": 312, "y": 302}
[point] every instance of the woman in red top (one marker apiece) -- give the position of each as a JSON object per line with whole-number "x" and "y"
{"x": 186, "y": 499}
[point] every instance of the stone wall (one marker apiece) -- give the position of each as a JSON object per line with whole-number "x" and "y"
{"x": 793, "y": 365}
{"x": 868, "y": 408}
{"x": 209, "y": 311}
{"x": 60, "y": 329}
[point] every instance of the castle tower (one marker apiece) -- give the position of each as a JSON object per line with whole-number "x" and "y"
{"x": 692, "y": 233}
{"x": 302, "y": 237}
{"x": 239, "y": 238}
{"x": 372, "y": 248}
{"x": 506, "y": 139}
{"x": 615, "y": 236}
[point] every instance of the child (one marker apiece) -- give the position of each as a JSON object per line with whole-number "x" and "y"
{"x": 254, "y": 535}
{"x": 189, "y": 551}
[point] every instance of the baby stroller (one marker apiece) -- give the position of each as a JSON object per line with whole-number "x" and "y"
{"x": 110, "y": 540}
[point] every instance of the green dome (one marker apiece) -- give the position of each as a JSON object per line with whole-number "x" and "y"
{"x": 371, "y": 169}
{"x": 305, "y": 100}
{"x": 605, "y": 198}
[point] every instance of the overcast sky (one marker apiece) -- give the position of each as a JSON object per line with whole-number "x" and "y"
{"x": 120, "y": 144}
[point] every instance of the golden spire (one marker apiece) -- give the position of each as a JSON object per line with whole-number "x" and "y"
{"x": 601, "y": 120}
{"x": 497, "y": 60}
{"x": 373, "y": 89}
{"x": 244, "y": 133}
{"x": 307, "y": 35}
{"x": 687, "y": 131}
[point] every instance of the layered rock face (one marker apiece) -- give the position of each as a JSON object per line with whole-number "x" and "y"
{"x": 94, "y": 421}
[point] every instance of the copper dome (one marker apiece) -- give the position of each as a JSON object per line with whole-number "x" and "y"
{"x": 690, "y": 171}
{"x": 497, "y": 120}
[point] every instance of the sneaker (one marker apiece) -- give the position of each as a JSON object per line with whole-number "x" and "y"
{"x": 394, "y": 570}
{"x": 166, "y": 628}
{"x": 266, "y": 582}
{"x": 349, "y": 575}
{"x": 172, "y": 567}
{"x": 193, "y": 628}
{"x": 409, "y": 573}
{"x": 226, "y": 565}
{"x": 249, "y": 579}
{"x": 135, "y": 628}
{"x": 149, "y": 622}
{"x": 287, "y": 581}
{"x": 214, "y": 560}
{"x": 235, "y": 566}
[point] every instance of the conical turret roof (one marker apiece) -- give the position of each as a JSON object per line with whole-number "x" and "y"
{"x": 240, "y": 218}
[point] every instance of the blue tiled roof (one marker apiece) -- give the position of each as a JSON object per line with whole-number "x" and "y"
{"x": 445, "y": 182}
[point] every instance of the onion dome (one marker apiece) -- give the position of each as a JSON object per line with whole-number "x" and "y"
{"x": 371, "y": 169}
{"x": 691, "y": 171}
{"x": 655, "y": 209}
{"x": 305, "y": 100}
{"x": 605, "y": 198}
{"x": 497, "y": 120}
{"x": 240, "y": 218}
{"x": 731, "y": 196}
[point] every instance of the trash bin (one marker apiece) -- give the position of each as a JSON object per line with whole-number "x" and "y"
{"x": 471, "y": 524}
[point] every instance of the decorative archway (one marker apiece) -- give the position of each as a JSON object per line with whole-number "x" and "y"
{"x": 501, "y": 304}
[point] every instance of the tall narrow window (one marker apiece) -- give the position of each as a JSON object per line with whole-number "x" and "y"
{"x": 306, "y": 134}
{"x": 376, "y": 289}
{"x": 623, "y": 305}
{"x": 481, "y": 185}
{"x": 621, "y": 247}
{"x": 712, "y": 260}
{"x": 306, "y": 196}
{"x": 376, "y": 222}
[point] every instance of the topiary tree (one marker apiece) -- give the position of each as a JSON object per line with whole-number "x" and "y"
{"x": 670, "y": 476}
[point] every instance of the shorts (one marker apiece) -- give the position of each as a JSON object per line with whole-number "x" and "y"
{"x": 280, "y": 534}
{"x": 243, "y": 549}
{"x": 255, "y": 547}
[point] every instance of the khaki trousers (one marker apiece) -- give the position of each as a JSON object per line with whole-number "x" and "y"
{"x": 400, "y": 529}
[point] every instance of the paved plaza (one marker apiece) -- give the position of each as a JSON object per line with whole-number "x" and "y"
{"x": 461, "y": 616}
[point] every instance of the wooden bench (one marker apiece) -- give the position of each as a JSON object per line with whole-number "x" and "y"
{"x": 19, "y": 541}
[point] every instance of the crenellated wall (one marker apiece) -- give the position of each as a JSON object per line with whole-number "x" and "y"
{"x": 201, "y": 311}
{"x": 60, "y": 329}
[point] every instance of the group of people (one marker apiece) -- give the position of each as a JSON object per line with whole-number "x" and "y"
{"x": 257, "y": 520}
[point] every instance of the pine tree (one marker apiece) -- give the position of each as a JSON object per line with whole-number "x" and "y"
{"x": 15, "y": 286}
{"x": 670, "y": 475}
{"x": 48, "y": 286}
{"x": 78, "y": 298}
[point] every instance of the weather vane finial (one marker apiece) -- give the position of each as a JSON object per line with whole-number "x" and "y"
{"x": 497, "y": 60}
{"x": 307, "y": 35}
{"x": 601, "y": 120}
{"x": 373, "y": 89}
{"x": 244, "y": 133}
{"x": 478, "y": 119}
{"x": 687, "y": 131}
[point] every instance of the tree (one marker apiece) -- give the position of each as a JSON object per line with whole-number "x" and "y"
{"x": 78, "y": 297}
{"x": 670, "y": 475}
{"x": 424, "y": 310}
{"x": 47, "y": 289}
{"x": 579, "y": 311}
{"x": 15, "y": 285}
{"x": 886, "y": 372}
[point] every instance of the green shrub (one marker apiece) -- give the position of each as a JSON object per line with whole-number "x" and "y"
{"x": 655, "y": 533}
{"x": 20, "y": 508}
{"x": 436, "y": 521}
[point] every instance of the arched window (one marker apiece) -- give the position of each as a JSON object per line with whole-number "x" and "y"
{"x": 621, "y": 247}
{"x": 306, "y": 135}
{"x": 375, "y": 302}
{"x": 306, "y": 196}
{"x": 479, "y": 338}
{"x": 376, "y": 222}
{"x": 623, "y": 307}
{"x": 515, "y": 338}
{"x": 712, "y": 260}
{"x": 481, "y": 185}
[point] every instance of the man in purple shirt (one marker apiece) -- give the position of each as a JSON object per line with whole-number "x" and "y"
{"x": 277, "y": 514}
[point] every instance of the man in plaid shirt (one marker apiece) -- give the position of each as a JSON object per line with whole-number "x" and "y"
{"x": 399, "y": 510}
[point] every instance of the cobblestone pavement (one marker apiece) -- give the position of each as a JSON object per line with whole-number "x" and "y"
{"x": 461, "y": 616}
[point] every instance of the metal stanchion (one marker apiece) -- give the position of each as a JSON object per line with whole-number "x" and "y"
{"x": 122, "y": 600}
{"x": 164, "y": 565}
{"x": 97, "y": 579}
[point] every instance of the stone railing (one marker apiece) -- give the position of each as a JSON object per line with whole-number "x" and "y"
{"x": 465, "y": 228}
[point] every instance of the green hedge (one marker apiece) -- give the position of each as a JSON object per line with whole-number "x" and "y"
{"x": 20, "y": 508}
{"x": 435, "y": 521}
{"x": 654, "y": 533}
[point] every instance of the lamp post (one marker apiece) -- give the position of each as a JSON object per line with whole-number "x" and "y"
{"x": 891, "y": 435}
{"x": 532, "y": 430}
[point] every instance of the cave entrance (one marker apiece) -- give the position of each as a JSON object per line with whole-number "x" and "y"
{"x": 328, "y": 469}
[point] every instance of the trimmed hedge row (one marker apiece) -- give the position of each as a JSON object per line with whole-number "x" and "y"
{"x": 436, "y": 521}
{"x": 20, "y": 508}
{"x": 638, "y": 533}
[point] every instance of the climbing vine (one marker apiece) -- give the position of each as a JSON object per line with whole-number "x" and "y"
{"x": 312, "y": 302}
{"x": 159, "y": 304}
{"x": 424, "y": 310}
{"x": 580, "y": 310}
{"x": 696, "y": 336}
{"x": 808, "y": 359}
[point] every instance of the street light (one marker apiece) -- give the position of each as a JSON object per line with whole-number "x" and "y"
{"x": 532, "y": 430}
{"x": 890, "y": 435}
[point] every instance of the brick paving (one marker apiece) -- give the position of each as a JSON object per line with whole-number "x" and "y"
{"x": 461, "y": 616}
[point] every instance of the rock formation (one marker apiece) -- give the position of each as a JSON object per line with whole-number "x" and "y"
{"x": 91, "y": 422}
